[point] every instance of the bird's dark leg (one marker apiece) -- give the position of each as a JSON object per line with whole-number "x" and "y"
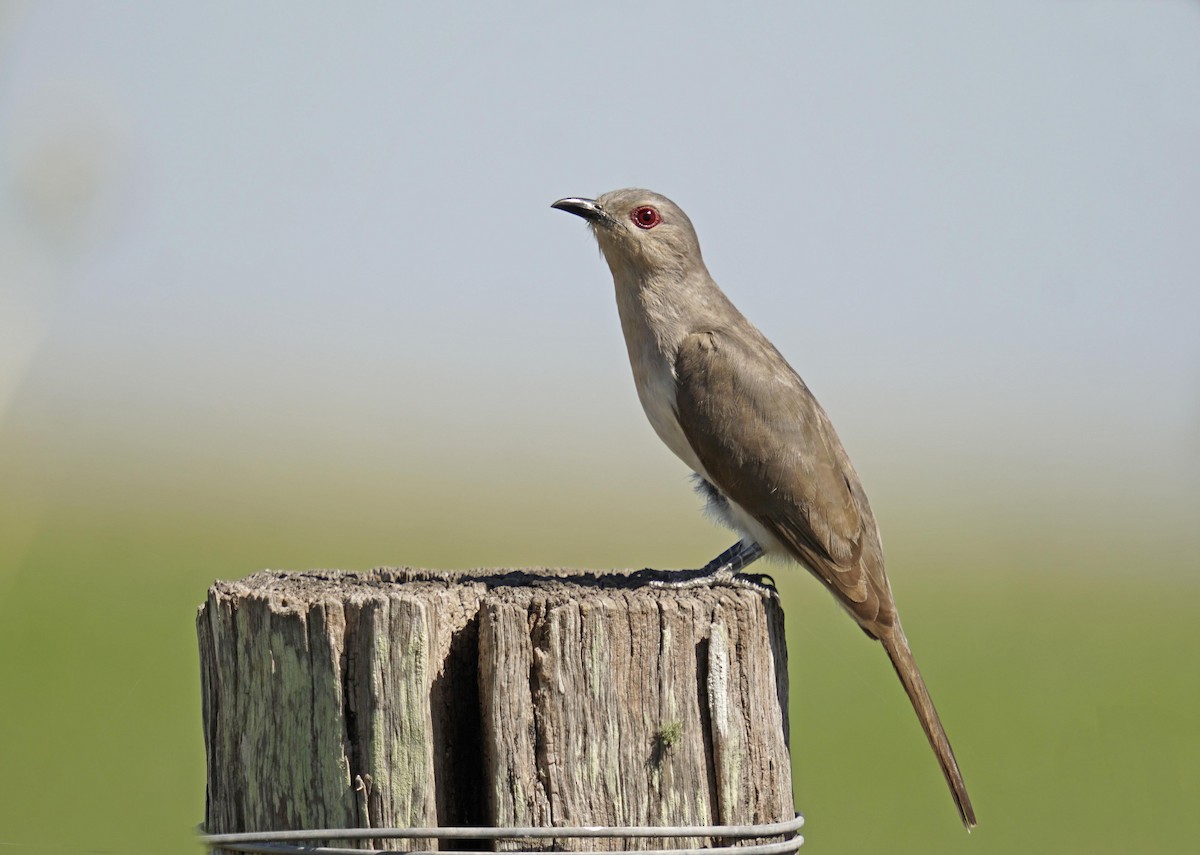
{"x": 741, "y": 554}
{"x": 723, "y": 570}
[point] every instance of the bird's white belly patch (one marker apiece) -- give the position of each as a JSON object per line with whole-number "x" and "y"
{"x": 656, "y": 390}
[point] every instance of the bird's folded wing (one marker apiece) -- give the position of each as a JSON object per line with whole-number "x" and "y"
{"x": 767, "y": 445}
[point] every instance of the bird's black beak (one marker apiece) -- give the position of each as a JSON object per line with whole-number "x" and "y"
{"x": 589, "y": 209}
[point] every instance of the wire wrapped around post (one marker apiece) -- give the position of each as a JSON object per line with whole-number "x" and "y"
{"x": 282, "y": 842}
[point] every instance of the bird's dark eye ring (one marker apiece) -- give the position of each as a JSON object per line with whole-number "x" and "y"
{"x": 645, "y": 217}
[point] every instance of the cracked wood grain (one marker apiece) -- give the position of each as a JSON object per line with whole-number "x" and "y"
{"x": 422, "y": 698}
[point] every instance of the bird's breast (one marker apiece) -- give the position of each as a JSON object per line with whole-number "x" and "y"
{"x": 655, "y": 382}
{"x": 652, "y": 349}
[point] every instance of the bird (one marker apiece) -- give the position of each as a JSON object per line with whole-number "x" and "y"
{"x": 763, "y": 450}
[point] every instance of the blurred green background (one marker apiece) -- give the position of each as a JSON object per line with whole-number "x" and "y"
{"x": 280, "y": 287}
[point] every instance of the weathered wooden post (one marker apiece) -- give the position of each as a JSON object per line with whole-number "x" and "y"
{"x": 407, "y": 698}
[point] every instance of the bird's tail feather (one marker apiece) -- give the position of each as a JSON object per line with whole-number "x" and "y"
{"x": 898, "y": 651}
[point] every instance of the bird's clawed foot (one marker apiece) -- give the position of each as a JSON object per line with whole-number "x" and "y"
{"x": 760, "y": 582}
{"x": 723, "y": 570}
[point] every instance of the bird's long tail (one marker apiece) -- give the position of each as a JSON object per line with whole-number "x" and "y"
{"x": 898, "y": 651}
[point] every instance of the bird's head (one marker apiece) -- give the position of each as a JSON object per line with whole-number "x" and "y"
{"x": 641, "y": 234}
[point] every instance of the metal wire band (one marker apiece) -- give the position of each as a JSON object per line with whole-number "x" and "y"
{"x": 281, "y": 841}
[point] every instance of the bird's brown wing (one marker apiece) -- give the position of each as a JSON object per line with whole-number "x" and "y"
{"x": 767, "y": 445}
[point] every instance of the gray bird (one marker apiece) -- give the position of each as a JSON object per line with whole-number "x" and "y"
{"x": 721, "y": 397}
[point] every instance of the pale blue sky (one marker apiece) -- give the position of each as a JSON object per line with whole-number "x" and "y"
{"x": 973, "y": 228}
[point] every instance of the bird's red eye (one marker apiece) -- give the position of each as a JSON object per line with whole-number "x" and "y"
{"x": 645, "y": 217}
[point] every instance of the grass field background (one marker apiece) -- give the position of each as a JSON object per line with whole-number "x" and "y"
{"x": 1065, "y": 670}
